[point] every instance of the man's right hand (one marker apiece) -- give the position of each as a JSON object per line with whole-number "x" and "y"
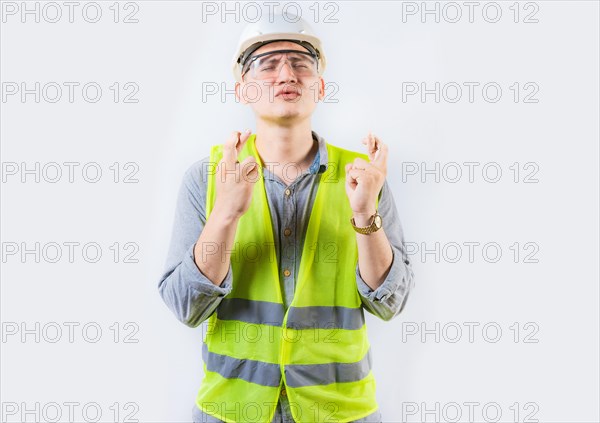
{"x": 235, "y": 181}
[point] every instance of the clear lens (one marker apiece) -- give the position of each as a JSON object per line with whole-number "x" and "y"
{"x": 268, "y": 65}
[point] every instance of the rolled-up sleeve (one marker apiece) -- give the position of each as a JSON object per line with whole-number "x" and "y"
{"x": 389, "y": 299}
{"x": 186, "y": 291}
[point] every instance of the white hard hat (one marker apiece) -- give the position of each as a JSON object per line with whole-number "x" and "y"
{"x": 283, "y": 28}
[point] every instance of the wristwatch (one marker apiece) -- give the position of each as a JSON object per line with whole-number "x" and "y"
{"x": 375, "y": 224}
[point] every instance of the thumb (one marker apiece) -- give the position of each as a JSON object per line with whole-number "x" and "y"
{"x": 249, "y": 165}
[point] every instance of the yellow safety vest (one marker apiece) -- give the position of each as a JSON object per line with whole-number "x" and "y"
{"x": 317, "y": 350}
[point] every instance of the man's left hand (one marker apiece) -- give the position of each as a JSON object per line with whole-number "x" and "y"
{"x": 364, "y": 180}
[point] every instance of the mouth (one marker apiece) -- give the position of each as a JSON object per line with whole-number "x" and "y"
{"x": 289, "y": 93}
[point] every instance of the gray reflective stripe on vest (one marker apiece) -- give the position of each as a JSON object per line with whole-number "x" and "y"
{"x": 324, "y": 317}
{"x": 254, "y": 371}
{"x": 259, "y": 312}
{"x": 297, "y": 375}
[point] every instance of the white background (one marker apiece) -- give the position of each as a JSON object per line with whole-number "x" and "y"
{"x": 372, "y": 50}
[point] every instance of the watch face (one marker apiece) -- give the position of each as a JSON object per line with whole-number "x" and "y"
{"x": 378, "y": 221}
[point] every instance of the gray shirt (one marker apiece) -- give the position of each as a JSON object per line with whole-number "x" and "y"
{"x": 193, "y": 298}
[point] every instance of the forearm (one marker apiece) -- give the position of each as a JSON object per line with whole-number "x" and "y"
{"x": 189, "y": 294}
{"x": 215, "y": 241}
{"x": 186, "y": 290}
{"x": 374, "y": 253}
{"x": 387, "y": 301}
{"x": 386, "y": 297}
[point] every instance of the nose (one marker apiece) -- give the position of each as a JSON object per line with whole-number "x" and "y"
{"x": 286, "y": 73}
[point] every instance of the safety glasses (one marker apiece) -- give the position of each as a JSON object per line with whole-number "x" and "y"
{"x": 267, "y": 66}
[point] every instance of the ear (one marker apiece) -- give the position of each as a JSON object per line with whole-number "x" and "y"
{"x": 321, "y": 88}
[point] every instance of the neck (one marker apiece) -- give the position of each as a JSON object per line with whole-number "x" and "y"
{"x": 280, "y": 145}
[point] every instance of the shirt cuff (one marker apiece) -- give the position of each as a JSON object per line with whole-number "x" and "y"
{"x": 200, "y": 282}
{"x": 389, "y": 285}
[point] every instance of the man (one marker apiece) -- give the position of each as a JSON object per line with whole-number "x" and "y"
{"x": 281, "y": 249}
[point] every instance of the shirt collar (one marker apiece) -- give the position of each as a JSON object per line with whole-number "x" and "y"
{"x": 319, "y": 164}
